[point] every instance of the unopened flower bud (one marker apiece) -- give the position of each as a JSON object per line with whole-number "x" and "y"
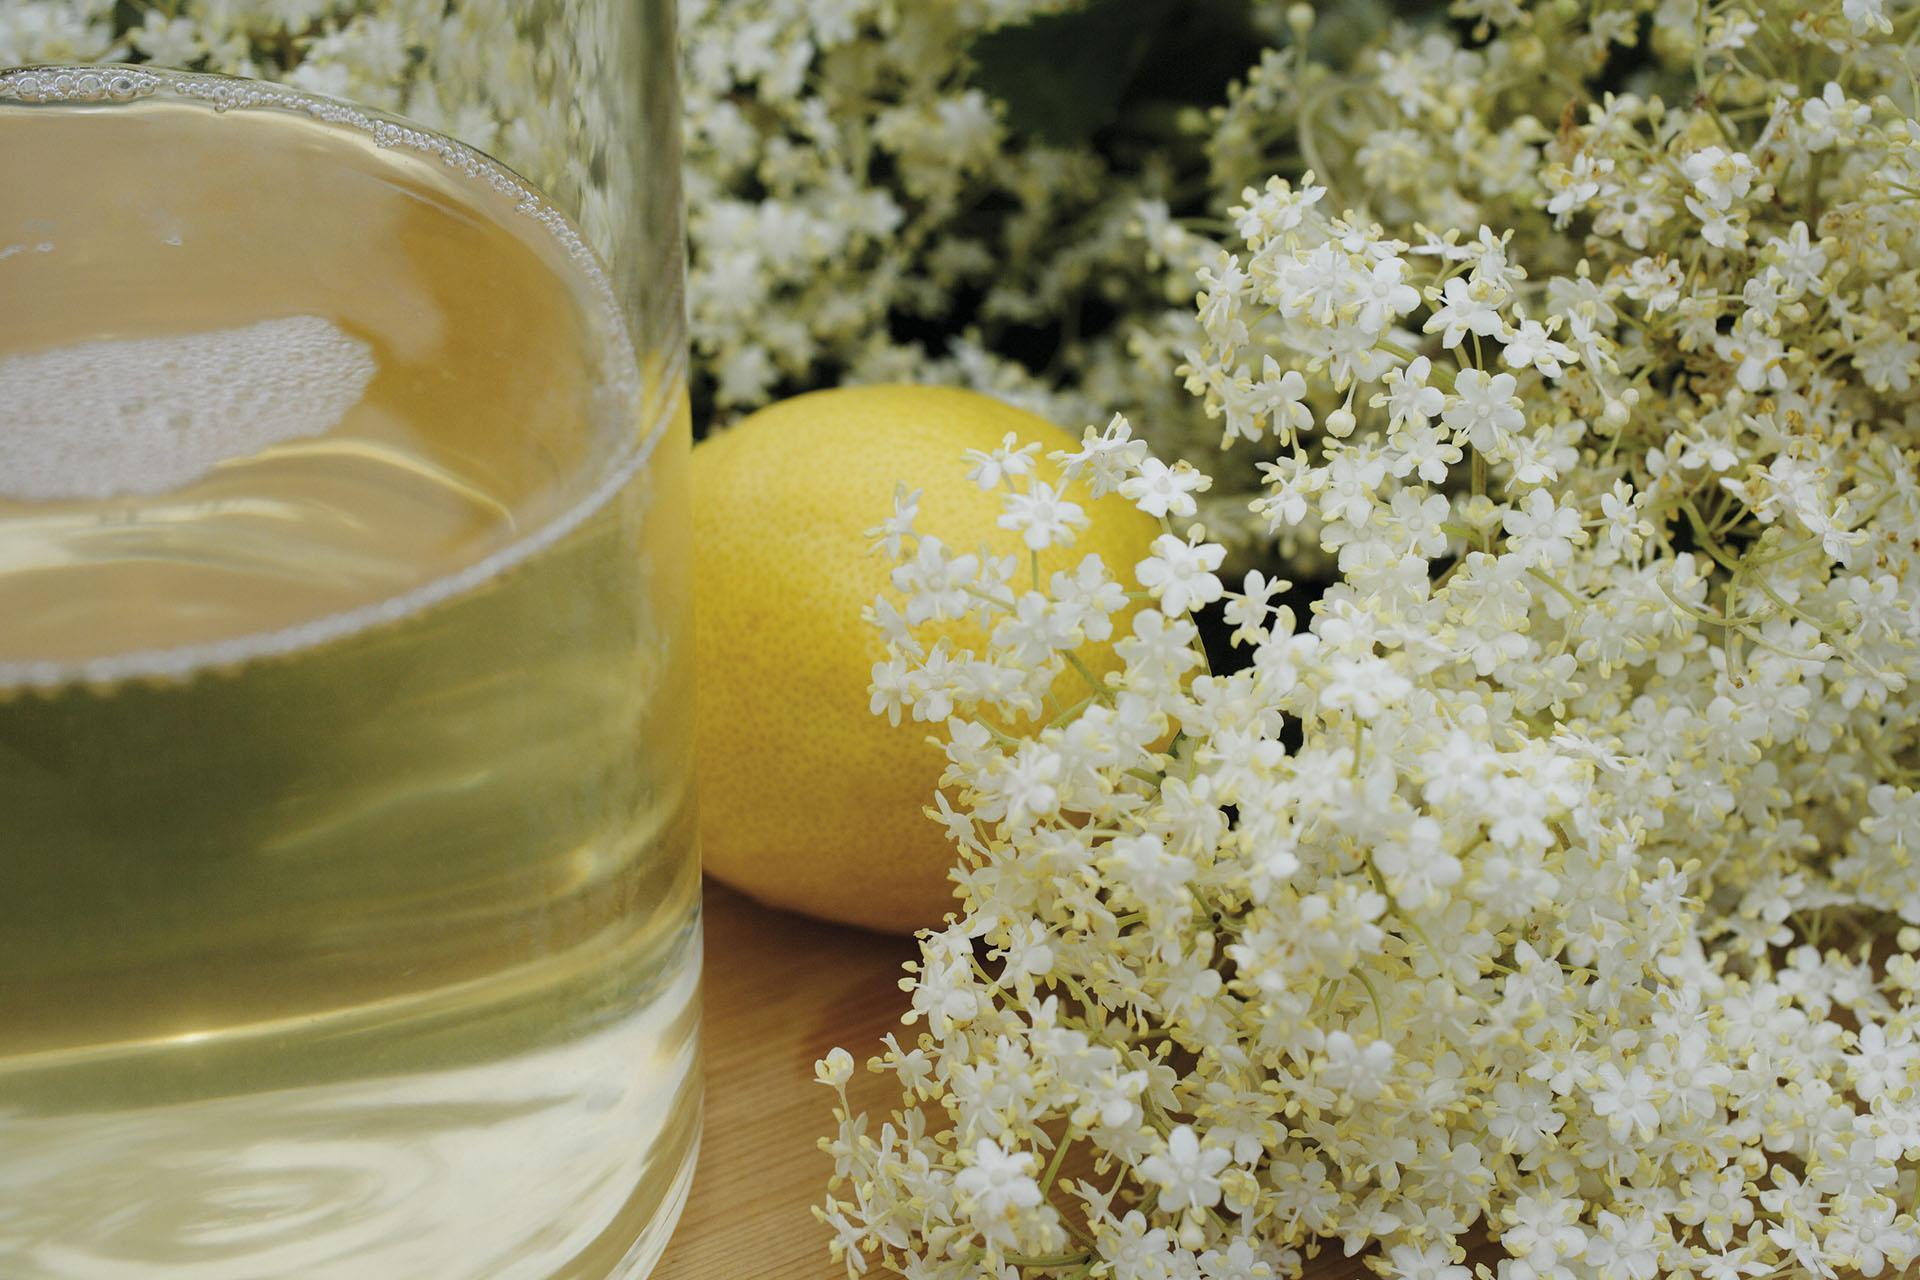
{"x": 1480, "y": 512}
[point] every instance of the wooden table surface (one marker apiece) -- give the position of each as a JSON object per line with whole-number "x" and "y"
{"x": 780, "y": 992}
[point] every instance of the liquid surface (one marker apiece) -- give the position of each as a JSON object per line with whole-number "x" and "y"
{"x": 235, "y": 335}
{"x": 348, "y": 888}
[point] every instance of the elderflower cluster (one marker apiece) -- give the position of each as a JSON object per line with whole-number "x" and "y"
{"x": 1545, "y": 871}
{"x": 836, "y": 155}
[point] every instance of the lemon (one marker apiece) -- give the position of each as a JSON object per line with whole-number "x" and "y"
{"x": 809, "y": 801}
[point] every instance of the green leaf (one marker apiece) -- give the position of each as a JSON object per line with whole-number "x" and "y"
{"x": 1062, "y": 77}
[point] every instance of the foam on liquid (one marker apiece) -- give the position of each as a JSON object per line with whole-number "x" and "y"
{"x": 145, "y": 415}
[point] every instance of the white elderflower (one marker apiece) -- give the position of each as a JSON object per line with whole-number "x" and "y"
{"x": 1186, "y": 1171}
{"x": 1720, "y": 176}
{"x": 1105, "y": 458}
{"x": 1880, "y": 1065}
{"x": 998, "y": 1183}
{"x": 1867, "y": 17}
{"x": 1543, "y": 1230}
{"x": 1624, "y": 1248}
{"x": 1716, "y": 1202}
{"x": 1409, "y": 401}
{"x": 1003, "y": 464}
{"x": 1830, "y": 118}
{"x": 1871, "y": 1238}
{"x": 1365, "y": 686}
{"x": 1531, "y": 344}
{"x": 1542, "y": 533}
{"x": 1162, "y": 491}
{"x": 1575, "y": 183}
{"x": 1042, "y": 517}
{"x": 1361, "y": 1071}
{"x": 1467, "y": 307}
{"x": 1484, "y": 410}
{"x": 935, "y": 583}
{"x": 1625, "y": 1100}
{"x": 1180, "y": 573}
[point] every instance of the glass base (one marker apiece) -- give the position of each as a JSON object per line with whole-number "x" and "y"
{"x": 645, "y": 1254}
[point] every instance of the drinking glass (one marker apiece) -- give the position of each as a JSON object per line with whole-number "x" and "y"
{"x": 349, "y": 898}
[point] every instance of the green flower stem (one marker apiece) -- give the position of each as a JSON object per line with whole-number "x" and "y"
{"x": 1826, "y": 629}
{"x": 1572, "y": 597}
{"x": 1072, "y": 712}
{"x": 1704, "y": 535}
{"x": 1059, "y": 1153}
{"x": 1379, "y": 1010}
{"x": 1048, "y": 1260}
{"x": 1711, "y": 619}
{"x": 1444, "y": 376}
{"x": 1099, "y": 688}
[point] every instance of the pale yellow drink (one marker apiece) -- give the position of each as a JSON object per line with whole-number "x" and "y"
{"x": 348, "y": 899}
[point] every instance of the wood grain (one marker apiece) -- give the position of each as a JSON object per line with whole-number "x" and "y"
{"x": 781, "y": 991}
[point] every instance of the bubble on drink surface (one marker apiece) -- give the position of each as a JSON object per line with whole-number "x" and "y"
{"x": 124, "y": 416}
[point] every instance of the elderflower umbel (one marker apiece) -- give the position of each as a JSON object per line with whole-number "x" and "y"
{"x": 1543, "y": 883}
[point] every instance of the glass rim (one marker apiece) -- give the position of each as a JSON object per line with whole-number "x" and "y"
{"x": 114, "y": 85}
